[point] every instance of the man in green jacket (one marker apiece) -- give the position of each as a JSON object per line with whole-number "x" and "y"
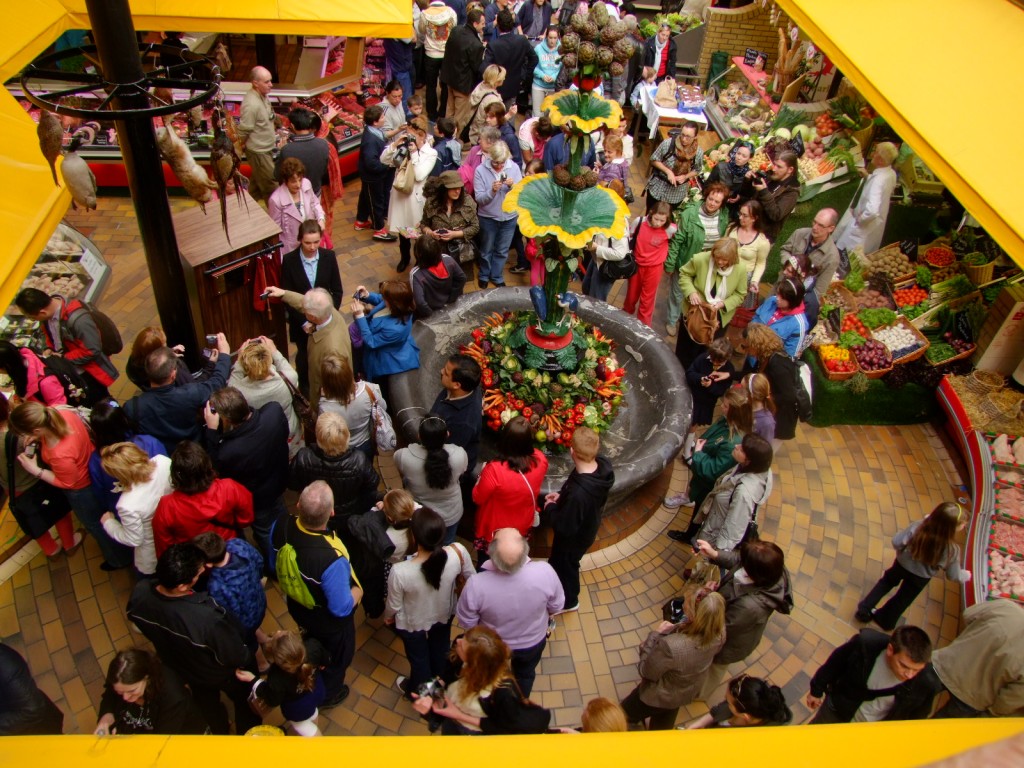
{"x": 699, "y": 226}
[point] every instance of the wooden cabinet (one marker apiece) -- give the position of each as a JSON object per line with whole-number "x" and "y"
{"x": 222, "y": 275}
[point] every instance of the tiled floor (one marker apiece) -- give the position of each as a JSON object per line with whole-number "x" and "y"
{"x": 841, "y": 494}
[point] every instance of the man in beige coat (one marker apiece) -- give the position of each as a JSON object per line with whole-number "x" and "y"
{"x": 327, "y": 329}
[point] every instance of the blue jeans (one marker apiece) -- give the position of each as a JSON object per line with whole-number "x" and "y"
{"x": 85, "y": 504}
{"x": 427, "y": 651}
{"x": 594, "y": 283}
{"x": 524, "y": 665}
{"x": 451, "y": 532}
{"x": 495, "y": 240}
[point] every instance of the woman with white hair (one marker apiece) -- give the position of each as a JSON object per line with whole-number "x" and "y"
{"x": 491, "y": 182}
{"x": 863, "y": 223}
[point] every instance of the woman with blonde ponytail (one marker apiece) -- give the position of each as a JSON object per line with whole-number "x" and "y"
{"x": 64, "y": 445}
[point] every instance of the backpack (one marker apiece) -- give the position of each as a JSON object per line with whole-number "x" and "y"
{"x": 802, "y": 386}
{"x": 445, "y": 159}
{"x": 69, "y": 376}
{"x": 289, "y": 577}
{"x": 110, "y": 336}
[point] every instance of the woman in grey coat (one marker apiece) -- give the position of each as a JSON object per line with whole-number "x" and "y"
{"x": 737, "y": 495}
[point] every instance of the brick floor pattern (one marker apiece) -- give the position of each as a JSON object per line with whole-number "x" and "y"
{"x": 841, "y": 493}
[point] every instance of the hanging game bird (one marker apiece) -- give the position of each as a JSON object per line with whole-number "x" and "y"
{"x": 224, "y": 163}
{"x": 51, "y": 137}
{"x": 78, "y": 179}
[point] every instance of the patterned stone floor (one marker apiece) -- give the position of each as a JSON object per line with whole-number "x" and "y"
{"x": 840, "y": 494}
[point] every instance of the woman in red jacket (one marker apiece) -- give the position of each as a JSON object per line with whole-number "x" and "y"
{"x": 507, "y": 490}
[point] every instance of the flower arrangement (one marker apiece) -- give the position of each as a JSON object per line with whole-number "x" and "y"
{"x": 587, "y": 391}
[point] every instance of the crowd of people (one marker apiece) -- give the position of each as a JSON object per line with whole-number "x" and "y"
{"x": 186, "y": 482}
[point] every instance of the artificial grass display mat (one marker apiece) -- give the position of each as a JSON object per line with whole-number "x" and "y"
{"x": 835, "y": 403}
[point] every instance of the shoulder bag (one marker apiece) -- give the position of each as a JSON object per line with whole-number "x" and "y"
{"x": 303, "y": 410}
{"x": 405, "y": 177}
{"x": 536, "y": 511}
{"x": 460, "y": 578}
{"x": 701, "y": 323}
{"x": 623, "y": 269}
{"x": 380, "y": 425}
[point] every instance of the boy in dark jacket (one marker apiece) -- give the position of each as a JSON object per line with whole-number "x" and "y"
{"x": 875, "y": 677}
{"x": 234, "y": 572}
{"x": 372, "y": 207}
{"x": 575, "y": 511}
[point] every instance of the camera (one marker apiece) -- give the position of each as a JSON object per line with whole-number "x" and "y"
{"x": 675, "y": 613}
{"x": 503, "y": 177}
{"x": 764, "y": 176}
{"x": 403, "y": 148}
{"x": 440, "y": 231}
{"x": 211, "y": 340}
{"x": 30, "y": 450}
{"x": 432, "y": 688}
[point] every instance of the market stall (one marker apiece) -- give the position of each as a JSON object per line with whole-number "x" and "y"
{"x": 32, "y": 206}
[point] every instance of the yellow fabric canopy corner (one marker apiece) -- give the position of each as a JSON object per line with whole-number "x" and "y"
{"x": 30, "y": 204}
{"x": 943, "y": 73}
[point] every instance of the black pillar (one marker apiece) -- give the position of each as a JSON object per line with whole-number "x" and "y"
{"x": 114, "y": 33}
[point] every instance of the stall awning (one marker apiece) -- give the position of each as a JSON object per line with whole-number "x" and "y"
{"x": 944, "y": 74}
{"x": 30, "y": 205}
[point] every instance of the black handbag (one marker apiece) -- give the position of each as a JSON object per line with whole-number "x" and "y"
{"x": 39, "y": 507}
{"x": 463, "y": 251}
{"x": 623, "y": 269}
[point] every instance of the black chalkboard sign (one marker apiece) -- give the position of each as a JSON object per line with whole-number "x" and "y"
{"x": 751, "y": 54}
{"x": 909, "y": 249}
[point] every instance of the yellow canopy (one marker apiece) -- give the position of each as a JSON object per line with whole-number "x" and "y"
{"x": 30, "y": 205}
{"x": 893, "y": 744}
{"x": 942, "y": 72}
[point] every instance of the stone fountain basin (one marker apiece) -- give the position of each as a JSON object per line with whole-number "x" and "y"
{"x": 646, "y": 435}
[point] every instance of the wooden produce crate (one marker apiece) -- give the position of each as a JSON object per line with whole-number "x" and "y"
{"x": 838, "y": 375}
{"x": 917, "y": 353}
{"x": 962, "y": 356}
{"x": 838, "y": 295}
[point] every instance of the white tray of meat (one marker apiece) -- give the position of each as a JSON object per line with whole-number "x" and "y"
{"x": 1007, "y": 536}
{"x": 1005, "y": 577}
{"x": 1007, "y": 449}
{"x": 1010, "y": 478}
{"x": 1010, "y": 502}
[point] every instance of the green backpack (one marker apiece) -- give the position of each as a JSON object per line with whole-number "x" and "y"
{"x": 289, "y": 578}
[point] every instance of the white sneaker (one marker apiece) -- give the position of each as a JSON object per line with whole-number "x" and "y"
{"x": 570, "y": 609}
{"x": 677, "y": 500}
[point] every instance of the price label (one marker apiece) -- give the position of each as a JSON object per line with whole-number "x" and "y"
{"x": 909, "y": 249}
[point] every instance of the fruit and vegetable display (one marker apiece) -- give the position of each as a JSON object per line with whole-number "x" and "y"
{"x": 873, "y": 318}
{"x": 853, "y": 322}
{"x": 826, "y": 125}
{"x": 848, "y": 339}
{"x": 516, "y": 384}
{"x": 872, "y": 355}
{"x": 836, "y": 359}
{"x": 900, "y": 340}
{"x": 890, "y": 260}
{"x": 850, "y": 113}
{"x": 949, "y": 347}
{"x": 1005, "y": 575}
{"x": 939, "y": 256}
{"x": 976, "y": 259}
{"x": 839, "y": 299}
{"x": 1008, "y": 537}
{"x": 950, "y": 289}
{"x": 923, "y": 277}
{"x": 873, "y": 298}
{"x": 910, "y": 297}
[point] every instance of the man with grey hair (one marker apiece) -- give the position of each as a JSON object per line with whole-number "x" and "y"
{"x": 167, "y": 410}
{"x": 326, "y": 328}
{"x": 323, "y": 591}
{"x": 514, "y": 596}
{"x": 811, "y": 255}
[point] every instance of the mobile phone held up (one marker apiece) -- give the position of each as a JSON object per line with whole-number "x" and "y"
{"x": 211, "y": 344}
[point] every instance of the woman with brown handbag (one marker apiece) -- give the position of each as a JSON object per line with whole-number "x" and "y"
{"x": 714, "y": 286}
